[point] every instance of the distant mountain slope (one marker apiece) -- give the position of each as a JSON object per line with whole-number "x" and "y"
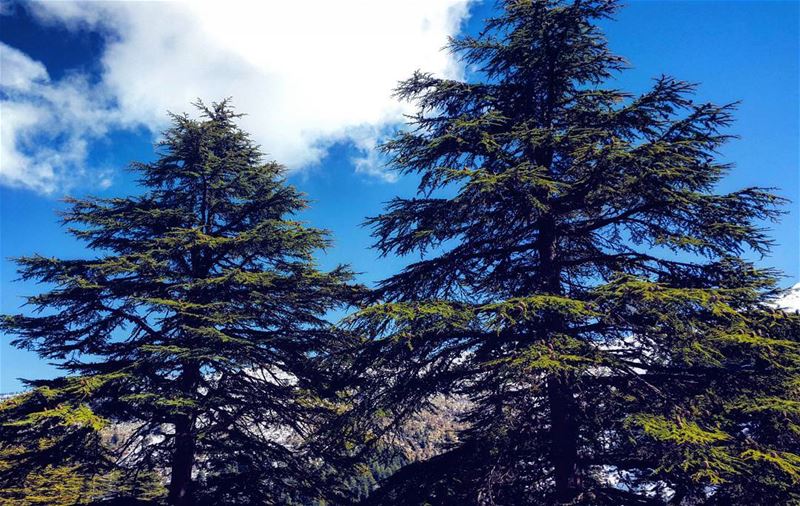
{"x": 791, "y": 300}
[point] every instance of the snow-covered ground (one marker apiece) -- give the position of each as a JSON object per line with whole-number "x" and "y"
{"x": 791, "y": 300}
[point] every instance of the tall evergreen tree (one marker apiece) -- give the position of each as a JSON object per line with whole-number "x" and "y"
{"x": 581, "y": 282}
{"x": 201, "y": 324}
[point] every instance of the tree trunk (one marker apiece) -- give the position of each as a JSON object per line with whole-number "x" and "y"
{"x": 563, "y": 425}
{"x": 563, "y": 437}
{"x": 180, "y": 493}
{"x": 180, "y": 485}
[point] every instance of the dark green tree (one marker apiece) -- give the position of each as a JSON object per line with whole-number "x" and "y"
{"x": 55, "y": 450}
{"x": 581, "y": 282}
{"x": 200, "y": 324}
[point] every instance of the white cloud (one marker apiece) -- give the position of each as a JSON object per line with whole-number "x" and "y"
{"x": 369, "y": 161}
{"x": 45, "y": 126}
{"x": 306, "y": 73}
{"x": 19, "y": 72}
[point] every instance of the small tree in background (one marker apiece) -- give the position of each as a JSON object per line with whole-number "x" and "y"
{"x": 201, "y": 323}
{"x": 582, "y": 283}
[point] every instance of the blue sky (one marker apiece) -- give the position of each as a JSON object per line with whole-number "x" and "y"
{"x": 89, "y": 90}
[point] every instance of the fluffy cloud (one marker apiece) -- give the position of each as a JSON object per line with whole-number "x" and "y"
{"x": 45, "y": 126}
{"x": 307, "y": 74}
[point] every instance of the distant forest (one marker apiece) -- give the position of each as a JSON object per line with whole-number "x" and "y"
{"x": 580, "y": 324}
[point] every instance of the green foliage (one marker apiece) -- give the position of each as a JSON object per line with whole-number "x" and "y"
{"x": 69, "y": 485}
{"x": 200, "y": 324}
{"x": 51, "y": 451}
{"x": 581, "y": 281}
{"x": 582, "y": 285}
